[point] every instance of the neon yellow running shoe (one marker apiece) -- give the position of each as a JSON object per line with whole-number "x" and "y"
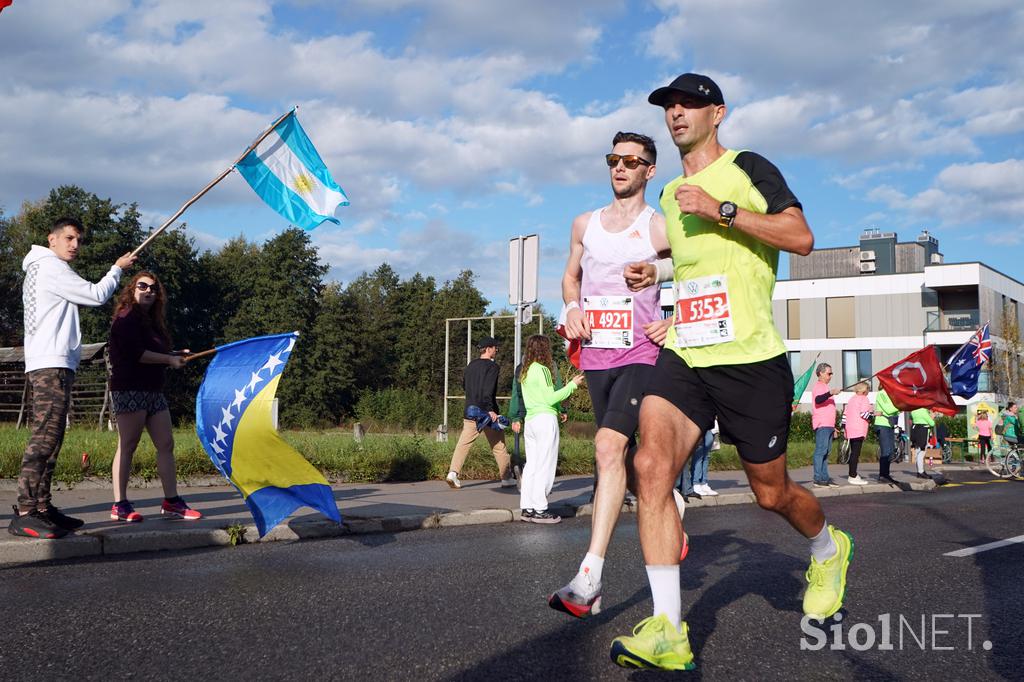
{"x": 826, "y": 582}
{"x": 655, "y": 645}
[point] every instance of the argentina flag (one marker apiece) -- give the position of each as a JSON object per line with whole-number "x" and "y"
{"x": 286, "y": 171}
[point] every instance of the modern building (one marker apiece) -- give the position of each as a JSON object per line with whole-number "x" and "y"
{"x": 862, "y": 308}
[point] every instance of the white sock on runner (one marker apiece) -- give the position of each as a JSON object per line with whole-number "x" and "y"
{"x": 595, "y": 564}
{"x": 665, "y": 589}
{"x": 823, "y": 547}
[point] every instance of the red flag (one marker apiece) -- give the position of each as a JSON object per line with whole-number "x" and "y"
{"x": 5, "y": 3}
{"x": 917, "y": 381}
{"x": 573, "y": 347}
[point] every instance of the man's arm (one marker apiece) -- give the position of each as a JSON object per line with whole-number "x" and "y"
{"x": 576, "y": 326}
{"x": 787, "y": 230}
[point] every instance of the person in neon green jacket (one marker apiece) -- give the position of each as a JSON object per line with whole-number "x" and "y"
{"x": 540, "y": 430}
{"x": 885, "y": 418}
{"x": 922, "y": 421}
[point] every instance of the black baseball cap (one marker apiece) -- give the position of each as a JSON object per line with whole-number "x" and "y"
{"x": 487, "y": 342}
{"x": 693, "y": 84}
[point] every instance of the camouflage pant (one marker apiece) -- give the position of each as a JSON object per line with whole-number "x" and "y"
{"x": 51, "y": 398}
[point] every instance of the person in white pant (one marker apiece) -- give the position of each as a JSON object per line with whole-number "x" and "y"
{"x": 541, "y": 429}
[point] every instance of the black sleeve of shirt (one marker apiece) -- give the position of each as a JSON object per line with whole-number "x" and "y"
{"x": 822, "y": 399}
{"x": 767, "y": 179}
{"x": 491, "y": 387}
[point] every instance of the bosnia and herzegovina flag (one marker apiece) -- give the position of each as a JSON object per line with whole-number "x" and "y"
{"x": 286, "y": 171}
{"x": 233, "y": 421}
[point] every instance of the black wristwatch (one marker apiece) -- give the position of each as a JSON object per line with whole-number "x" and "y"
{"x": 726, "y": 214}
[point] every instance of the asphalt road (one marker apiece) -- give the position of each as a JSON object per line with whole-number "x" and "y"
{"x": 468, "y": 603}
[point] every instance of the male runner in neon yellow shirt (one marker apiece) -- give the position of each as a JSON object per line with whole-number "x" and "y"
{"x": 726, "y": 218}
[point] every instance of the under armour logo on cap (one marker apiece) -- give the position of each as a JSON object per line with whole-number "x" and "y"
{"x": 704, "y": 89}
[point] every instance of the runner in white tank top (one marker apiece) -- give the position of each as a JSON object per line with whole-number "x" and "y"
{"x": 621, "y": 332}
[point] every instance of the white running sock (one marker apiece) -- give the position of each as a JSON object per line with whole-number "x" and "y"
{"x": 823, "y": 547}
{"x": 593, "y": 565}
{"x": 920, "y": 461}
{"x": 665, "y": 589}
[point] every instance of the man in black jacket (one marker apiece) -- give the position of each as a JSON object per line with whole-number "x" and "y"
{"x": 480, "y": 381}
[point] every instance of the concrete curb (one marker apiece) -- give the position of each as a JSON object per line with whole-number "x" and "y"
{"x": 117, "y": 541}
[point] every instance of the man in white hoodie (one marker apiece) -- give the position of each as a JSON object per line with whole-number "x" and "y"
{"x": 51, "y": 295}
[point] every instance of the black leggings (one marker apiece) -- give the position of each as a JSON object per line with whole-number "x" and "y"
{"x": 855, "y": 444}
{"x": 984, "y": 446}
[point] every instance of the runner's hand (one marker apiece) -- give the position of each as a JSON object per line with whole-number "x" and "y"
{"x": 657, "y": 330}
{"x": 640, "y": 275}
{"x": 576, "y": 325}
{"x": 695, "y": 201}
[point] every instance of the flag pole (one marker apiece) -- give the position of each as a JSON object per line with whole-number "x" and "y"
{"x": 193, "y": 356}
{"x": 213, "y": 182}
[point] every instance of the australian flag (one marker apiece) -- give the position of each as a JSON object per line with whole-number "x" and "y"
{"x": 965, "y": 366}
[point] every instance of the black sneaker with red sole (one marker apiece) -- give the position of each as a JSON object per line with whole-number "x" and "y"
{"x": 35, "y": 524}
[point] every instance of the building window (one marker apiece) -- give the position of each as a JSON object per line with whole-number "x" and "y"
{"x": 793, "y": 319}
{"x": 856, "y": 366}
{"x": 794, "y": 362}
{"x": 839, "y": 318}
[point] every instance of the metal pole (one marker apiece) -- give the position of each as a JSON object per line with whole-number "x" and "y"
{"x": 519, "y": 305}
{"x": 446, "y": 350}
{"x": 469, "y": 342}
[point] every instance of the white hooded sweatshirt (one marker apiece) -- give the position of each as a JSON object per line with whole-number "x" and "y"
{"x": 51, "y": 295}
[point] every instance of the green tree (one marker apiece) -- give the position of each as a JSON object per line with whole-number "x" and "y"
{"x": 331, "y": 385}
{"x": 378, "y": 310}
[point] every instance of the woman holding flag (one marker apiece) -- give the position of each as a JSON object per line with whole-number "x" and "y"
{"x": 140, "y": 348}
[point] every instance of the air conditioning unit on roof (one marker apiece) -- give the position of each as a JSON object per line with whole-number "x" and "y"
{"x": 867, "y": 267}
{"x": 867, "y": 255}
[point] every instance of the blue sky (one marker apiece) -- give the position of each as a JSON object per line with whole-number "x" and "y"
{"x": 456, "y": 125}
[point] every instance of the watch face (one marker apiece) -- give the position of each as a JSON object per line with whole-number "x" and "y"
{"x": 727, "y": 209}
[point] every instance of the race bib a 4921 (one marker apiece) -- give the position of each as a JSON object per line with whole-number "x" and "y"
{"x": 611, "y": 321}
{"x": 702, "y": 315}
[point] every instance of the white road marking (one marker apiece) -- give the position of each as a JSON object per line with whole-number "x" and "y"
{"x": 968, "y": 551}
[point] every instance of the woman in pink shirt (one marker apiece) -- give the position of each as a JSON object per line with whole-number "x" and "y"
{"x": 858, "y": 411}
{"x": 984, "y": 434}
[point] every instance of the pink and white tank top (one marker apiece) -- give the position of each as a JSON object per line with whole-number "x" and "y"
{"x": 617, "y": 315}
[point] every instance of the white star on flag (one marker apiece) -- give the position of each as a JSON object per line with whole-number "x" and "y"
{"x": 239, "y": 399}
{"x": 218, "y": 434}
{"x": 252, "y": 383}
{"x": 227, "y": 416}
{"x": 272, "y": 362}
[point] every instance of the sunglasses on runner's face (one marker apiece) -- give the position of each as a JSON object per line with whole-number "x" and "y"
{"x": 631, "y": 161}
{"x": 145, "y": 286}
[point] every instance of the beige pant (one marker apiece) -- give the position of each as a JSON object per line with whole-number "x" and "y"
{"x": 494, "y": 437}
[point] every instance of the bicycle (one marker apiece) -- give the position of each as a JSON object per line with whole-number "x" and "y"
{"x": 844, "y": 450}
{"x": 902, "y": 445}
{"x": 1003, "y": 461}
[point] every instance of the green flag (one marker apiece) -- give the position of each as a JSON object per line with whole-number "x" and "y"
{"x": 801, "y": 385}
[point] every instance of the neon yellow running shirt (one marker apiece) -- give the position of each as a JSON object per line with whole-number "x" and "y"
{"x": 724, "y": 277}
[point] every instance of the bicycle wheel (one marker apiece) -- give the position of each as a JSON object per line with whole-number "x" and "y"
{"x": 1013, "y": 462}
{"x": 844, "y": 452}
{"x": 947, "y": 453}
{"x": 996, "y": 464}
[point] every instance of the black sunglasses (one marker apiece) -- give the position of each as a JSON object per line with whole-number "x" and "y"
{"x": 630, "y": 161}
{"x": 143, "y": 286}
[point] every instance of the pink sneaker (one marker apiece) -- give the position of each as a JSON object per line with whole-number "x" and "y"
{"x": 124, "y": 511}
{"x": 177, "y": 509}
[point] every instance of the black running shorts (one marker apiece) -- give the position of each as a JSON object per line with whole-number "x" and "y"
{"x": 919, "y": 436}
{"x": 753, "y": 402}
{"x": 615, "y": 395}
